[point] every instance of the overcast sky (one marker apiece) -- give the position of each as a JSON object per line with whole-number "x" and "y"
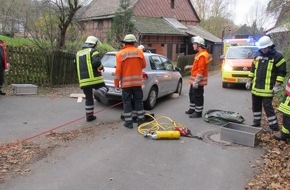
{"x": 243, "y": 8}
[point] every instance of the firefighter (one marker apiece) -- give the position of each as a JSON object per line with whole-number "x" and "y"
{"x": 89, "y": 68}
{"x": 144, "y": 49}
{"x": 128, "y": 77}
{"x": 284, "y": 107}
{"x": 3, "y": 65}
{"x": 198, "y": 79}
{"x": 266, "y": 75}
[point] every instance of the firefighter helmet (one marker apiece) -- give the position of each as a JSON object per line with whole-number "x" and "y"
{"x": 265, "y": 42}
{"x": 198, "y": 40}
{"x": 92, "y": 40}
{"x": 141, "y": 47}
{"x": 129, "y": 38}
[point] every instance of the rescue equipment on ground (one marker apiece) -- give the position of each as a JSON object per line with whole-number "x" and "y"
{"x": 164, "y": 128}
{"x": 163, "y": 134}
{"x": 221, "y": 117}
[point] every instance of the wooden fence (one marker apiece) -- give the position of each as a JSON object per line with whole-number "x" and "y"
{"x": 188, "y": 59}
{"x": 31, "y": 66}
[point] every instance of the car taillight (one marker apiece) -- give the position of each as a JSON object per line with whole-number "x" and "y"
{"x": 144, "y": 76}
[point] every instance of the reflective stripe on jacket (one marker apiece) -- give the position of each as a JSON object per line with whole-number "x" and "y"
{"x": 266, "y": 70}
{"x": 284, "y": 107}
{"x": 199, "y": 70}
{"x": 88, "y": 75}
{"x": 130, "y": 62}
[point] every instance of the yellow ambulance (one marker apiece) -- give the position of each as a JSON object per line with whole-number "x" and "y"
{"x": 237, "y": 61}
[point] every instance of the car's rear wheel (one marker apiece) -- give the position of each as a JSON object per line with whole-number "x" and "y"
{"x": 150, "y": 103}
{"x": 179, "y": 87}
{"x": 101, "y": 98}
{"x": 97, "y": 98}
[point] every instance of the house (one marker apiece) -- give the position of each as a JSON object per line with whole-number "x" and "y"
{"x": 164, "y": 27}
{"x": 281, "y": 32}
{"x": 12, "y": 26}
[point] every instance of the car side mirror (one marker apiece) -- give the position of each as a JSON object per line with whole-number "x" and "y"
{"x": 177, "y": 69}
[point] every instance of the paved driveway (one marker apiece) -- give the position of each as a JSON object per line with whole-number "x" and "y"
{"x": 120, "y": 158}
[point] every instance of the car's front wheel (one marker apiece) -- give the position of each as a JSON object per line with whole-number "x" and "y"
{"x": 179, "y": 87}
{"x": 150, "y": 103}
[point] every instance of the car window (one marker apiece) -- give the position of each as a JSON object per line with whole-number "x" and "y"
{"x": 156, "y": 63}
{"x": 109, "y": 60}
{"x": 242, "y": 53}
{"x": 167, "y": 64}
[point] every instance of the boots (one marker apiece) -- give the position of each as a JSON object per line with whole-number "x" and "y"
{"x": 282, "y": 136}
{"x": 256, "y": 124}
{"x": 196, "y": 115}
{"x": 129, "y": 125}
{"x": 91, "y": 118}
{"x": 189, "y": 112}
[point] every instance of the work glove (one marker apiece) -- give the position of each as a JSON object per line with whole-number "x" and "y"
{"x": 276, "y": 89}
{"x": 187, "y": 67}
{"x": 248, "y": 85}
{"x": 195, "y": 85}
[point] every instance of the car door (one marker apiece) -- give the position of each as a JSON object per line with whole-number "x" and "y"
{"x": 172, "y": 76}
{"x": 159, "y": 74}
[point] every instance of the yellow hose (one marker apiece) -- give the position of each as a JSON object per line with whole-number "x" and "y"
{"x": 166, "y": 124}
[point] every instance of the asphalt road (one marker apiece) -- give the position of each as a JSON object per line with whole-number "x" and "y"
{"x": 121, "y": 159}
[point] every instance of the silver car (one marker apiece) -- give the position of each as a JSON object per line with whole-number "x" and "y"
{"x": 160, "y": 78}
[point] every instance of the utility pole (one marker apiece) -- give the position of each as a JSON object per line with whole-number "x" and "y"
{"x": 223, "y": 35}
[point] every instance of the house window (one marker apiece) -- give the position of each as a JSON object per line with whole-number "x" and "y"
{"x": 172, "y": 4}
{"x": 100, "y": 25}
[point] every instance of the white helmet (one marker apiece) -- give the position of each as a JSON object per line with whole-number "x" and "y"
{"x": 92, "y": 40}
{"x": 265, "y": 42}
{"x": 129, "y": 38}
{"x": 198, "y": 40}
{"x": 141, "y": 47}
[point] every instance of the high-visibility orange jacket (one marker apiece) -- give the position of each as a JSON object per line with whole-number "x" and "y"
{"x": 130, "y": 62}
{"x": 199, "y": 70}
{"x": 3, "y": 55}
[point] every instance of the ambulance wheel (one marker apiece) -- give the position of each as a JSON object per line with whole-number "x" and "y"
{"x": 225, "y": 85}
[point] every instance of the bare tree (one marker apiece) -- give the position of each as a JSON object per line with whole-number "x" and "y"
{"x": 11, "y": 15}
{"x": 201, "y": 7}
{"x": 65, "y": 11}
{"x": 50, "y": 20}
{"x": 214, "y": 14}
{"x": 213, "y": 8}
{"x": 259, "y": 18}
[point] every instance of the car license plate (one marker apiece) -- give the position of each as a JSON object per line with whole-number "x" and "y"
{"x": 242, "y": 80}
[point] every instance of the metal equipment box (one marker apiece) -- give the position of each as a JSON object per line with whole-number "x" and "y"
{"x": 21, "y": 89}
{"x": 240, "y": 134}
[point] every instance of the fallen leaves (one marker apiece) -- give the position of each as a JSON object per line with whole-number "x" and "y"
{"x": 15, "y": 159}
{"x": 274, "y": 168}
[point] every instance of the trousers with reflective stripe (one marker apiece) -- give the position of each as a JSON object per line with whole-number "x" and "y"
{"x": 266, "y": 102}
